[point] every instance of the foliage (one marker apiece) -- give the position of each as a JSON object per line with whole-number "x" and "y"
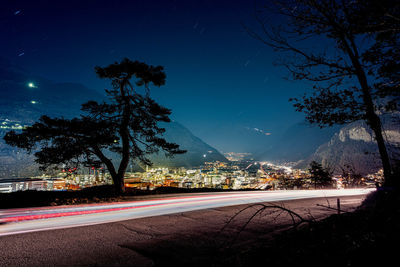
{"x": 319, "y": 175}
{"x": 383, "y": 25}
{"x": 127, "y": 124}
{"x": 351, "y": 177}
{"x": 292, "y": 183}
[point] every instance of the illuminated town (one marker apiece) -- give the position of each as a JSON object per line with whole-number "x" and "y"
{"x": 235, "y": 175}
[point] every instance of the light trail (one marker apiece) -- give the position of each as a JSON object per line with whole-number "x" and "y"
{"x": 46, "y": 218}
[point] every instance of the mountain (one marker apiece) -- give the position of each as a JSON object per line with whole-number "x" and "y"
{"x": 197, "y": 153}
{"x": 354, "y": 145}
{"x": 237, "y": 136}
{"x": 25, "y": 97}
{"x": 297, "y": 143}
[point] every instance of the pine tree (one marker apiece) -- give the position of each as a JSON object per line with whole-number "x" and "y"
{"x": 126, "y": 124}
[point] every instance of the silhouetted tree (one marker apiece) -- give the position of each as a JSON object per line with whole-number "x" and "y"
{"x": 351, "y": 176}
{"x": 291, "y": 183}
{"x": 348, "y": 50}
{"x": 319, "y": 175}
{"x": 126, "y": 124}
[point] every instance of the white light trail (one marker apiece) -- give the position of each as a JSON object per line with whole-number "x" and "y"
{"x": 47, "y": 218}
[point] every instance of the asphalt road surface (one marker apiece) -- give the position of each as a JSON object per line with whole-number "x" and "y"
{"x": 165, "y": 231}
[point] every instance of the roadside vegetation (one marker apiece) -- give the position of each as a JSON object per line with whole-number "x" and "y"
{"x": 366, "y": 237}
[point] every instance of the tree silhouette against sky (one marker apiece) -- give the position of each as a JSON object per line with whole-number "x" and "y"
{"x": 126, "y": 124}
{"x": 319, "y": 175}
{"x": 348, "y": 50}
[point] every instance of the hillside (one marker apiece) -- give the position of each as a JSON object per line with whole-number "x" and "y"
{"x": 354, "y": 145}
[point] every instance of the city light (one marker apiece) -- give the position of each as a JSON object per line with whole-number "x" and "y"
{"x": 212, "y": 174}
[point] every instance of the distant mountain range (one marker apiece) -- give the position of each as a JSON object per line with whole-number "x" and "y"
{"x": 336, "y": 147}
{"x": 298, "y": 143}
{"x": 354, "y": 146}
{"x": 24, "y": 98}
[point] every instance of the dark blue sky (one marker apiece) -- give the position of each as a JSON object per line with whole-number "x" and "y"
{"x": 221, "y": 83}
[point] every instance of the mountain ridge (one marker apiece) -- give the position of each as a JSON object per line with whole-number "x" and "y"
{"x": 353, "y": 146}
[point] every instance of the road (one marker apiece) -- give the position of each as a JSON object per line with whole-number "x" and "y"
{"x": 201, "y": 237}
{"x": 18, "y": 221}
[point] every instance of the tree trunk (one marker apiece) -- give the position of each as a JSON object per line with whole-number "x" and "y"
{"x": 372, "y": 118}
{"x": 124, "y": 134}
{"x": 375, "y": 124}
{"x": 118, "y": 178}
{"x": 119, "y": 184}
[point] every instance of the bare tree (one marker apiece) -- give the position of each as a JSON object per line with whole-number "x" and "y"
{"x": 332, "y": 44}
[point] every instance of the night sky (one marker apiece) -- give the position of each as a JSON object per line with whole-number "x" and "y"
{"x": 221, "y": 83}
